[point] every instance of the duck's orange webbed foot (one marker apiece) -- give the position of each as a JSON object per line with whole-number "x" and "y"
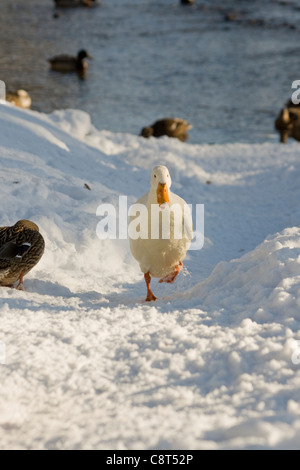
{"x": 20, "y": 286}
{"x": 170, "y": 278}
{"x": 150, "y": 295}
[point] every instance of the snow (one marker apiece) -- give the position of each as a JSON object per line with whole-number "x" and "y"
{"x": 214, "y": 363}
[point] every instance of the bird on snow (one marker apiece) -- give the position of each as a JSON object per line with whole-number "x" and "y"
{"x": 21, "y": 248}
{"x": 160, "y": 247}
{"x": 19, "y": 98}
{"x": 67, "y": 63}
{"x": 287, "y": 123}
{"x": 172, "y": 127}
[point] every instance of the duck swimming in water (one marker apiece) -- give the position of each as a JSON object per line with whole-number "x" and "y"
{"x": 76, "y": 3}
{"x": 67, "y": 63}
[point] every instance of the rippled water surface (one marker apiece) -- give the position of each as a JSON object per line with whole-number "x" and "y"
{"x": 156, "y": 58}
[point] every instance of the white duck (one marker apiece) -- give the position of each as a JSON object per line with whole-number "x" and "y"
{"x": 160, "y": 230}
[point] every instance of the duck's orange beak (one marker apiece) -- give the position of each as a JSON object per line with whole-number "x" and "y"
{"x": 162, "y": 193}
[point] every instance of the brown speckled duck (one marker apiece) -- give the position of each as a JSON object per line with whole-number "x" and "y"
{"x": 19, "y": 98}
{"x": 21, "y": 248}
{"x": 287, "y": 123}
{"x": 172, "y": 127}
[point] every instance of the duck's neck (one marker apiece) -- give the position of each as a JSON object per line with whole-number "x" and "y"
{"x": 81, "y": 64}
{"x": 152, "y": 196}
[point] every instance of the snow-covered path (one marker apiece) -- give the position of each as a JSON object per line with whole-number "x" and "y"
{"x": 214, "y": 362}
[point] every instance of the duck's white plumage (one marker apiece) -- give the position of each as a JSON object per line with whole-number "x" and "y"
{"x": 162, "y": 253}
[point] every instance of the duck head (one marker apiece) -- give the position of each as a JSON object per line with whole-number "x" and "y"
{"x": 147, "y": 132}
{"x": 161, "y": 183}
{"x": 83, "y": 54}
{"x": 25, "y": 224}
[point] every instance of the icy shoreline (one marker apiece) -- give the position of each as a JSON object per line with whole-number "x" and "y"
{"x": 214, "y": 362}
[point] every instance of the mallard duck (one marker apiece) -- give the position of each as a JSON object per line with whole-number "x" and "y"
{"x": 287, "y": 123}
{"x": 21, "y": 248}
{"x": 19, "y": 98}
{"x": 161, "y": 243}
{"x": 76, "y": 3}
{"x": 66, "y": 63}
{"x": 172, "y": 127}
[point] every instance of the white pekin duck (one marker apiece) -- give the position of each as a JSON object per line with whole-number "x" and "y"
{"x": 160, "y": 230}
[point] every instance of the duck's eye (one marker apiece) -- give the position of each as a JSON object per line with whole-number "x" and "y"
{"x": 154, "y": 176}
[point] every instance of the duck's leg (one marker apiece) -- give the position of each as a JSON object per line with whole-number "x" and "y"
{"x": 150, "y": 295}
{"x": 20, "y": 285}
{"x": 170, "y": 278}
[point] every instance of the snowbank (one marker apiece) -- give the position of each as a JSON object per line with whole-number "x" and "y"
{"x": 264, "y": 284}
{"x": 214, "y": 363}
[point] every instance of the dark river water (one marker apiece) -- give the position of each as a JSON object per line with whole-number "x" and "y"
{"x": 155, "y": 58}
